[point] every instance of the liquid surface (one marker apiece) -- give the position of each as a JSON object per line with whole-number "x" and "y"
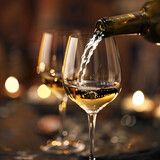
{"x": 92, "y": 99}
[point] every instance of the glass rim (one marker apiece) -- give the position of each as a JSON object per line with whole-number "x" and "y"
{"x": 61, "y": 32}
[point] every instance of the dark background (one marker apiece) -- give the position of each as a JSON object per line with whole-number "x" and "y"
{"x": 23, "y": 21}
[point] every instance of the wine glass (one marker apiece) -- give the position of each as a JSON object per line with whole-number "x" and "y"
{"x": 51, "y": 55}
{"x": 92, "y": 75}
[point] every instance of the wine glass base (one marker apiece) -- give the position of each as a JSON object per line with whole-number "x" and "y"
{"x": 63, "y": 147}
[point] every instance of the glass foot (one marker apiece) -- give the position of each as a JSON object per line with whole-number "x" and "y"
{"x": 63, "y": 146}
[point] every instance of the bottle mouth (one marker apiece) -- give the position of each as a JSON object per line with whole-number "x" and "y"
{"x": 100, "y": 27}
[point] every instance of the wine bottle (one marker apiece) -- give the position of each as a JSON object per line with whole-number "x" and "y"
{"x": 145, "y": 22}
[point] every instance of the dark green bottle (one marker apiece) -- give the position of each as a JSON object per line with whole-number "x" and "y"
{"x": 145, "y": 22}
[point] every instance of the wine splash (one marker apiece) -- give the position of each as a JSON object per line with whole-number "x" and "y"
{"x": 88, "y": 52}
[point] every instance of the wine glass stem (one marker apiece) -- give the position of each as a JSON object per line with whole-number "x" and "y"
{"x": 62, "y": 111}
{"x": 92, "y": 124}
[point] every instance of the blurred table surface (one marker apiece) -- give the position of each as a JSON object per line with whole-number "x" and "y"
{"x": 19, "y": 138}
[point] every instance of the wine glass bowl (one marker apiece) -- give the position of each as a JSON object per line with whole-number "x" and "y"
{"x": 102, "y": 80}
{"x": 92, "y": 75}
{"x": 50, "y": 61}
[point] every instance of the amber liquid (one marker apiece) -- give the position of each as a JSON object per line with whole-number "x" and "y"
{"x": 54, "y": 83}
{"x": 93, "y": 99}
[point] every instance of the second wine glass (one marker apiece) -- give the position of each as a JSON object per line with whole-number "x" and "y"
{"x": 50, "y": 62}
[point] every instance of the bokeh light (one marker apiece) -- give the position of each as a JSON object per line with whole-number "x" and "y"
{"x": 43, "y": 91}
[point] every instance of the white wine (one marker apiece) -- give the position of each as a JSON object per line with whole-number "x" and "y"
{"x": 93, "y": 99}
{"x": 145, "y": 22}
{"x": 54, "y": 83}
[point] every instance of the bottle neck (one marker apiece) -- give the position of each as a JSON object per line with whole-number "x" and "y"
{"x": 124, "y": 24}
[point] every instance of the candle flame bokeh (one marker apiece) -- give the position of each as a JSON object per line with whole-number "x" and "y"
{"x": 138, "y": 102}
{"x": 12, "y": 84}
{"x": 138, "y": 98}
{"x": 43, "y": 91}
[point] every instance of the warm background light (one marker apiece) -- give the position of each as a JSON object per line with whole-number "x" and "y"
{"x": 138, "y": 98}
{"x": 12, "y": 84}
{"x": 138, "y": 102}
{"x": 43, "y": 91}
{"x": 157, "y": 112}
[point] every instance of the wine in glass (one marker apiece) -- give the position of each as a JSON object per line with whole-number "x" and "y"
{"x": 49, "y": 67}
{"x": 92, "y": 75}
